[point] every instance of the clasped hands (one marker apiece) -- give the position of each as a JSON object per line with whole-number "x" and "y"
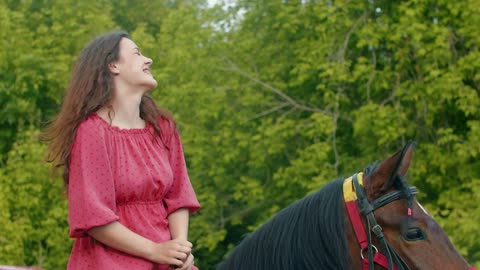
{"x": 177, "y": 253}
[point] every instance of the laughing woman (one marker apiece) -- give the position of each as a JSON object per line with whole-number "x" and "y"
{"x": 129, "y": 193}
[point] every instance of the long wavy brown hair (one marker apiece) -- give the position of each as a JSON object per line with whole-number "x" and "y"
{"x": 90, "y": 88}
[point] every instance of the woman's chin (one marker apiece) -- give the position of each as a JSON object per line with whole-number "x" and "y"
{"x": 151, "y": 84}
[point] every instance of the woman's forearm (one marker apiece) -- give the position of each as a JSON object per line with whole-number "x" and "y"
{"x": 178, "y": 224}
{"x": 118, "y": 236}
{"x": 173, "y": 252}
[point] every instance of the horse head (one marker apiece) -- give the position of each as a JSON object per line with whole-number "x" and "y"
{"x": 378, "y": 224}
{"x": 400, "y": 228}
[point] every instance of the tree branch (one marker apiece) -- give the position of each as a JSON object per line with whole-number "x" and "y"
{"x": 341, "y": 51}
{"x": 274, "y": 109}
{"x": 372, "y": 75}
{"x": 289, "y": 100}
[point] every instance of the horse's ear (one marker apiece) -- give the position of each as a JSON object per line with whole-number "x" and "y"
{"x": 383, "y": 177}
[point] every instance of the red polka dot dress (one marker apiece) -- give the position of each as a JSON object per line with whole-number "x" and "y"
{"x": 129, "y": 176}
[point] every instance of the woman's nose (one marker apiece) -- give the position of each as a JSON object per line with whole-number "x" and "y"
{"x": 148, "y": 61}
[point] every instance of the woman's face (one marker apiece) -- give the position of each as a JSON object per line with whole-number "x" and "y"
{"x": 133, "y": 69}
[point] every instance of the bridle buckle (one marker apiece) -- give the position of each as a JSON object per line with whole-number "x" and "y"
{"x": 375, "y": 249}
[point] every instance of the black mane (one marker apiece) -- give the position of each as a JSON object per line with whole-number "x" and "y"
{"x": 309, "y": 234}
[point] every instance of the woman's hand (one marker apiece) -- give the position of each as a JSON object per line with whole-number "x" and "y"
{"x": 187, "y": 265}
{"x": 175, "y": 252}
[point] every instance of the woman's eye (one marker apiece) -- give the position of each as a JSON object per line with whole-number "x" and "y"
{"x": 414, "y": 234}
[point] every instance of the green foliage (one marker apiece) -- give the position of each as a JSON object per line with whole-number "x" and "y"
{"x": 37, "y": 53}
{"x": 273, "y": 100}
{"x": 34, "y": 213}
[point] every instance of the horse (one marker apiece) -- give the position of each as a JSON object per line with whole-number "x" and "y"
{"x": 368, "y": 221}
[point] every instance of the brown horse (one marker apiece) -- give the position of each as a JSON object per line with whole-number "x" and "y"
{"x": 368, "y": 221}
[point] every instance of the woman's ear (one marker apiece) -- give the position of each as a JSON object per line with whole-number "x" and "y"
{"x": 113, "y": 67}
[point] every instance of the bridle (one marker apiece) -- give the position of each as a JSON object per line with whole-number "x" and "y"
{"x": 357, "y": 203}
{"x": 358, "y": 206}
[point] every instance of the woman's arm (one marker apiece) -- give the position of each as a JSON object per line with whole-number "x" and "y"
{"x": 178, "y": 224}
{"x": 116, "y": 235}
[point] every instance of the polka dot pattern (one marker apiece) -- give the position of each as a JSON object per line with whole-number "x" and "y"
{"x": 129, "y": 176}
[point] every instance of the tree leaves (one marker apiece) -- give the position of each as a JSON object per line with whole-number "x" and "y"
{"x": 273, "y": 100}
{"x": 34, "y": 223}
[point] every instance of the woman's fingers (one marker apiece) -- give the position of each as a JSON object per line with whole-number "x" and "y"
{"x": 180, "y": 246}
{"x": 184, "y": 249}
{"x": 188, "y": 263}
{"x": 175, "y": 263}
{"x": 182, "y": 242}
{"x": 174, "y": 252}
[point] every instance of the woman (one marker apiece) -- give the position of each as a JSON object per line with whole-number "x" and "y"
{"x": 129, "y": 193}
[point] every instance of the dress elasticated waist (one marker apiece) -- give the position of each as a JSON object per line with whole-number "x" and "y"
{"x": 139, "y": 202}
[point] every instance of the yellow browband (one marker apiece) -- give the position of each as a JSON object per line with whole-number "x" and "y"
{"x": 348, "y": 188}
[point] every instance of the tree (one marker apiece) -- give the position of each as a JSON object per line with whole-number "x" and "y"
{"x": 34, "y": 224}
{"x": 302, "y": 93}
{"x": 273, "y": 99}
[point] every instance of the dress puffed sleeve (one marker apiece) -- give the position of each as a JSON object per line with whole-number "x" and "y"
{"x": 181, "y": 193}
{"x": 91, "y": 192}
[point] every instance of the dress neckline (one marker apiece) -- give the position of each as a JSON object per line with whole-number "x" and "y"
{"x": 122, "y": 130}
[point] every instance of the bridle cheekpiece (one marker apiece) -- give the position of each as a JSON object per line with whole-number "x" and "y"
{"x": 358, "y": 206}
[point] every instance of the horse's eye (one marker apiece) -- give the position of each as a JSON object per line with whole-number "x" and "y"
{"x": 414, "y": 234}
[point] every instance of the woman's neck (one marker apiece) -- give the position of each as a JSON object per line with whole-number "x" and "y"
{"x": 123, "y": 112}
